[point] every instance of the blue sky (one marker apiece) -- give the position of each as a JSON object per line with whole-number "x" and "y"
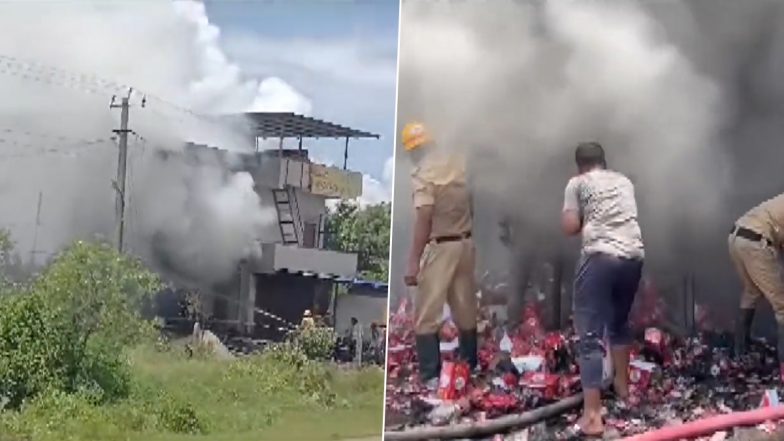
{"x": 341, "y": 55}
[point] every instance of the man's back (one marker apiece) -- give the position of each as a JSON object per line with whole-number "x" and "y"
{"x": 607, "y": 203}
{"x": 767, "y": 219}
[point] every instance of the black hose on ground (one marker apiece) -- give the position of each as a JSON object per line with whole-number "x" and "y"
{"x": 490, "y": 427}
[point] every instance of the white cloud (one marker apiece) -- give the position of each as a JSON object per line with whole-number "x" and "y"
{"x": 365, "y": 62}
{"x": 375, "y": 191}
{"x": 275, "y": 95}
{"x": 218, "y": 74}
{"x": 389, "y": 169}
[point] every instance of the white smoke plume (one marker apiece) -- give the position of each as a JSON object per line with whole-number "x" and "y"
{"x": 519, "y": 84}
{"x": 199, "y": 218}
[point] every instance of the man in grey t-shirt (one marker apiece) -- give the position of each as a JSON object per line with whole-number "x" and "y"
{"x": 600, "y": 204}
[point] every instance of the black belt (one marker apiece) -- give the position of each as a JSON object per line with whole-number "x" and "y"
{"x": 750, "y": 235}
{"x": 454, "y": 238}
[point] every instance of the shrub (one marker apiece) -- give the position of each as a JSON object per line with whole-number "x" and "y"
{"x": 316, "y": 342}
{"x": 288, "y": 353}
{"x": 69, "y": 329}
{"x": 179, "y": 417}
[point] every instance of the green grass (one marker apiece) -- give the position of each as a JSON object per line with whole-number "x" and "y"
{"x": 174, "y": 398}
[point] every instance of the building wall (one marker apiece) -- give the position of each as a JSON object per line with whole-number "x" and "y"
{"x": 311, "y": 208}
{"x": 366, "y": 308}
{"x": 285, "y": 295}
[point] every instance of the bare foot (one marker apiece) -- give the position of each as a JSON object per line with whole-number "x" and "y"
{"x": 621, "y": 389}
{"x": 591, "y": 426}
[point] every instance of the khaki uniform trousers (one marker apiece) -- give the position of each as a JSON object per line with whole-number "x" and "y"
{"x": 760, "y": 271}
{"x": 446, "y": 276}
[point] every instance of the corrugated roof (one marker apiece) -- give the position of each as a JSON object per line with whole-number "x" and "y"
{"x": 291, "y": 125}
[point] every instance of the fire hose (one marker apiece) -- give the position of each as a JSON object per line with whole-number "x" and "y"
{"x": 707, "y": 426}
{"x": 484, "y": 428}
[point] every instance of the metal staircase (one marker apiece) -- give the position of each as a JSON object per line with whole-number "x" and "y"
{"x": 287, "y": 220}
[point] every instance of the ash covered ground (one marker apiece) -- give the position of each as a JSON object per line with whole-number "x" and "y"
{"x": 675, "y": 378}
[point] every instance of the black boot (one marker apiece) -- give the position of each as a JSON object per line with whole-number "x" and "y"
{"x": 429, "y": 357}
{"x": 468, "y": 348}
{"x": 743, "y": 331}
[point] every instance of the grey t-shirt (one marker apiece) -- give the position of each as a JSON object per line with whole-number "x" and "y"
{"x": 606, "y": 201}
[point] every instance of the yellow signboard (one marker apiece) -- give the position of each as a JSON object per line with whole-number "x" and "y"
{"x": 333, "y": 182}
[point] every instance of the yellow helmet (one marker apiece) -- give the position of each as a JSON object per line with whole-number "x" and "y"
{"x": 414, "y": 136}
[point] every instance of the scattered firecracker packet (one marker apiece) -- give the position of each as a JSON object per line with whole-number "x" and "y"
{"x": 448, "y": 331}
{"x": 640, "y": 373}
{"x": 770, "y": 398}
{"x": 569, "y": 384}
{"x": 529, "y": 363}
{"x": 400, "y": 354}
{"x": 454, "y": 380}
{"x": 654, "y": 338}
{"x": 547, "y": 383}
{"x": 495, "y": 403}
{"x": 448, "y": 347}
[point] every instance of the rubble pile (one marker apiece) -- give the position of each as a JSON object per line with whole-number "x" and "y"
{"x": 673, "y": 379}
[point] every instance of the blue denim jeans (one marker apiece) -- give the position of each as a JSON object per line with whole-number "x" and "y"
{"x": 604, "y": 291}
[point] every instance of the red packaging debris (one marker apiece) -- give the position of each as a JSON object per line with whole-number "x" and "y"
{"x": 497, "y": 403}
{"x": 548, "y": 384}
{"x": 529, "y": 363}
{"x": 532, "y": 325}
{"x": 649, "y": 308}
{"x": 448, "y": 331}
{"x": 640, "y": 374}
{"x": 654, "y": 338}
{"x": 770, "y": 398}
{"x": 521, "y": 345}
{"x": 399, "y": 354}
{"x": 454, "y": 380}
{"x": 693, "y": 377}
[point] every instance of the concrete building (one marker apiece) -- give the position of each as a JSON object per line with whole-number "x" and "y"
{"x": 365, "y": 301}
{"x": 294, "y": 271}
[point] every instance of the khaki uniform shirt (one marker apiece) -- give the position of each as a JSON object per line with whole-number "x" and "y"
{"x": 440, "y": 181}
{"x": 767, "y": 219}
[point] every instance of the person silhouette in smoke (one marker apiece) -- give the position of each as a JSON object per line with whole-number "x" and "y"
{"x": 600, "y": 205}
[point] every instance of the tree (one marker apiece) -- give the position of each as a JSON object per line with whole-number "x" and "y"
{"x": 68, "y": 328}
{"x": 364, "y": 231}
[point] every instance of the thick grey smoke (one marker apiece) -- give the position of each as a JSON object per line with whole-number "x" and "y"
{"x": 56, "y": 125}
{"x": 674, "y": 90}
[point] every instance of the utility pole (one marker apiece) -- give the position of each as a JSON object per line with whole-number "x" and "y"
{"x": 34, "y": 250}
{"x": 122, "y": 164}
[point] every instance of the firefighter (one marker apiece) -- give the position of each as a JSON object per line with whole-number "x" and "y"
{"x": 754, "y": 245}
{"x": 307, "y": 319}
{"x": 441, "y": 260}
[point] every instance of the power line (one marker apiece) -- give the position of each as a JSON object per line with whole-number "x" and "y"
{"x": 92, "y": 83}
{"x": 70, "y": 150}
